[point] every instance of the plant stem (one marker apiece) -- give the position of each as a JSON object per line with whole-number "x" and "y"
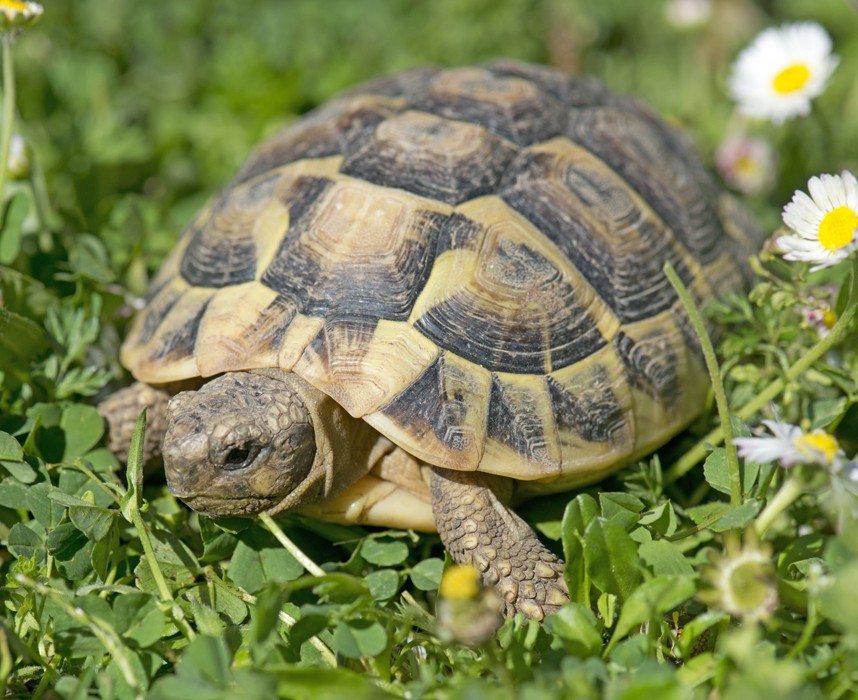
{"x": 8, "y": 111}
{"x": 789, "y": 491}
{"x": 716, "y": 436}
{"x": 309, "y": 565}
{"x": 717, "y": 384}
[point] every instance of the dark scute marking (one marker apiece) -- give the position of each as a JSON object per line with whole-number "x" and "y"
{"x": 181, "y": 341}
{"x": 218, "y": 258}
{"x": 302, "y": 197}
{"x": 542, "y": 317}
{"x": 622, "y": 258}
{"x": 650, "y": 363}
{"x": 423, "y": 406}
{"x": 283, "y": 310}
{"x": 458, "y": 232}
{"x": 477, "y": 96}
{"x": 431, "y": 157}
{"x": 514, "y": 421}
{"x": 593, "y": 413}
{"x": 657, "y": 163}
{"x": 154, "y": 314}
{"x": 331, "y": 130}
{"x": 342, "y": 342}
{"x": 319, "y": 286}
{"x": 574, "y": 91}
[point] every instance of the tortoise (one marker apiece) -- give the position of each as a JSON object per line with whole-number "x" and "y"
{"x": 432, "y": 298}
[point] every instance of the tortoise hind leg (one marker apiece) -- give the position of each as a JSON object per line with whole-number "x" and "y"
{"x": 479, "y": 529}
{"x": 121, "y": 409}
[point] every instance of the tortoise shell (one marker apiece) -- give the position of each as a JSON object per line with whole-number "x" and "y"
{"x": 471, "y": 261}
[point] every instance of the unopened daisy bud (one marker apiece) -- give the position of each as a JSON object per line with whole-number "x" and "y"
{"x": 687, "y": 14}
{"x": 741, "y": 581}
{"x": 467, "y": 612}
{"x": 18, "y": 164}
{"x": 746, "y": 164}
{"x": 15, "y": 15}
{"x": 825, "y": 222}
{"x": 782, "y": 70}
{"x": 460, "y": 582}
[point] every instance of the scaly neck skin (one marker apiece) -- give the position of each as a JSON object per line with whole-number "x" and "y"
{"x": 346, "y": 448}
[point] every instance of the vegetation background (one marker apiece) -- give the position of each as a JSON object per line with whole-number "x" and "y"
{"x": 135, "y": 113}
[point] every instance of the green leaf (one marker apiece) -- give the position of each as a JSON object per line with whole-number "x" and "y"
{"x": 384, "y": 550}
{"x": 231, "y": 609}
{"x": 578, "y": 514}
{"x": 93, "y": 521}
{"x": 298, "y": 683}
{"x": 139, "y": 618}
{"x": 259, "y": 559}
{"x": 24, "y": 542}
{"x": 12, "y": 493}
{"x": 737, "y": 517}
{"x": 22, "y": 471}
{"x": 10, "y": 448}
{"x": 46, "y": 511}
{"x": 575, "y": 627}
{"x": 358, "y": 638}
{"x": 664, "y": 557}
{"x": 622, "y": 508}
{"x": 20, "y": 336}
{"x": 130, "y": 504}
{"x": 662, "y": 519}
{"x": 426, "y": 576}
{"x": 12, "y": 230}
{"x": 65, "y": 540}
{"x": 611, "y": 557}
{"x": 716, "y": 471}
{"x": 651, "y": 600}
{"x": 83, "y": 427}
{"x": 383, "y": 584}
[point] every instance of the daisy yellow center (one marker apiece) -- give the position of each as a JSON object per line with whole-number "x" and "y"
{"x": 460, "y": 583}
{"x": 12, "y": 5}
{"x": 791, "y": 79}
{"x": 837, "y": 228}
{"x": 816, "y": 443}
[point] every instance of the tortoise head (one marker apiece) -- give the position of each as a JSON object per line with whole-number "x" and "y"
{"x": 242, "y": 444}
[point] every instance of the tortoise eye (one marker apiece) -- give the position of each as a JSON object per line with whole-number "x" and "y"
{"x": 239, "y": 456}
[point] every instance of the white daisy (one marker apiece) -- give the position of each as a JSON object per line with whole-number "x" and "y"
{"x": 747, "y": 164}
{"x": 825, "y": 222}
{"x": 15, "y": 14}
{"x": 782, "y": 70}
{"x": 790, "y": 445}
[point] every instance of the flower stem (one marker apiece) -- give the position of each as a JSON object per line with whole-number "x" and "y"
{"x": 717, "y": 384}
{"x": 786, "y": 495}
{"x": 8, "y": 114}
{"x": 716, "y": 436}
{"x": 293, "y": 549}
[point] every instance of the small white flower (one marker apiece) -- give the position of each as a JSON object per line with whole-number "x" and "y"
{"x": 825, "y": 222}
{"x": 790, "y": 445}
{"x": 15, "y": 14}
{"x": 746, "y": 164}
{"x": 687, "y": 14}
{"x": 782, "y": 70}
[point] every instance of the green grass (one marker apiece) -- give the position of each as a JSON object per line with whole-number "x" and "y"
{"x": 134, "y": 115}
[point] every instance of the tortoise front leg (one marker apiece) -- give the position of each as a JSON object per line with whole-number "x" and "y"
{"x": 479, "y": 529}
{"x": 121, "y": 409}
